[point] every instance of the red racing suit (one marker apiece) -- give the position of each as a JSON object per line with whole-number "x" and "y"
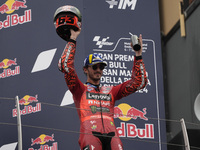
{"x": 95, "y": 104}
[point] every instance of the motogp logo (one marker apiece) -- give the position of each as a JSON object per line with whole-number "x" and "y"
{"x": 122, "y": 4}
{"x": 102, "y": 42}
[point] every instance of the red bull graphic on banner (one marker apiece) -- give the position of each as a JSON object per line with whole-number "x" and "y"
{"x": 9, "y": 7}
{"x": 31, "y": 48}
{"x": 28, "y": 109}
{"x": 132, "y": 131}
{"x": 125, "y": 113}
{"x": 42, "y": 140}
{"x": 7, "y": 71}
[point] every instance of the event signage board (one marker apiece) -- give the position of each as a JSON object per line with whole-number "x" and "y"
{"x": 30, "y": 50}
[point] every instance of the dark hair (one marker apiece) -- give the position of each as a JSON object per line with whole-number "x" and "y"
{"x": 86, "y": 68}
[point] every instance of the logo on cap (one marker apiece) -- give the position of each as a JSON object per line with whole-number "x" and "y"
{"x": 93, "y": 59}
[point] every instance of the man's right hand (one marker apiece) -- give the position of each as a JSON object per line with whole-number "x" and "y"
{"x": 74, "y": 34}
{"x": 139, "y": 53}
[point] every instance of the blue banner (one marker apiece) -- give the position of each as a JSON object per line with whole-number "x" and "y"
{"x": 30, "y": 50}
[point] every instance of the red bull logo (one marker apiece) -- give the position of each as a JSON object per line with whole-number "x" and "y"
{"x": 7, "y": 63}
{"x": 12, "y": 20}
{"x": 11, "y": 5}
{"x": 7, "y": 72}
{"x": 125, "y": 112}
{"x": 42, "y": 140}
{"x": 27, "y": 99}
{"x": 132, "y": 131}
{"x": 28, "y": 109}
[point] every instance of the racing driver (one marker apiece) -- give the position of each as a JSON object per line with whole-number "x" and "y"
{"x": 95, "y": 103}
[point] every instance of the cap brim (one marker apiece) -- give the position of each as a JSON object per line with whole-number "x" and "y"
{"x": 105, "y": 63}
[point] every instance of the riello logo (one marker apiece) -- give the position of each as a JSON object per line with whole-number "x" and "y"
{"x": 9, "y": 7}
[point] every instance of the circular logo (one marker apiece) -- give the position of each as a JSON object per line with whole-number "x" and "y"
{"x": 9, "y": 3}
{"x": 124, "y": 108}
{"x": 5, "y": 61}
{"x": 26, "y": 98}
{"x": 42, "y": 136}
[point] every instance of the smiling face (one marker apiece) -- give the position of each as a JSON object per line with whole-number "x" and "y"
{"x": 94, "y": 73}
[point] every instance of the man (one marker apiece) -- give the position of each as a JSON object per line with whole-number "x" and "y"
{"x": 95, "y": 103}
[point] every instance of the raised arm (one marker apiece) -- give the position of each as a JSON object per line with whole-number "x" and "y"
{"x": 138, "y": 79}
{"x": 66, "y": 63}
